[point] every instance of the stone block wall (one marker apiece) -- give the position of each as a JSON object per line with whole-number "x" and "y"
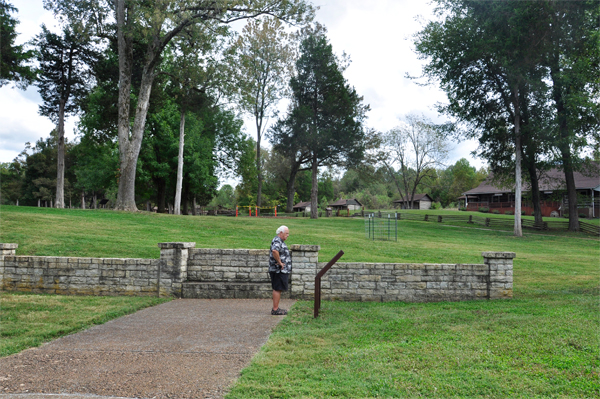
{"x": 243, "y": 273}
{"x": 94, "y": 276}
{"x": 405, "y": 282}
{"x": 79, "y": 276}
{"x": 185, "y": 271}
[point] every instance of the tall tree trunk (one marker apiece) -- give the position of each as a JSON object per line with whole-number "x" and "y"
{"x": 564, "y": 141}
{"x": 129, "y": 148}
{"x": 177, "y": 210}
{"x": 60, "y": 157}
{"x": 185, "y": 196}
{"x": 518, "y": 185}
{"x": 194, "y": 206}
{"x": 161, "y": 194}
{"x": 95, "y": 200}
{"x": 291, "y": 189}
{"x": 535, "y": 193}
{"x": 258, "y": 163}
{"x": 571, "y": 187}
{"x": 82, "y": 200}
{"x": 130, "y": 140}
{"x": 314, "y": 191}
{"x": 518, "y": 152}
{"x": 529, "y": 158}
{"x": 39, "y": 201}
{"x": 125, "y": 52}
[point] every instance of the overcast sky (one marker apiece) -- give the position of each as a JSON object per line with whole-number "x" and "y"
{"x": 376, "y": 34}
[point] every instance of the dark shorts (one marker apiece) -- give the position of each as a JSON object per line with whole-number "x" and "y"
{"x": 279, "y": 281}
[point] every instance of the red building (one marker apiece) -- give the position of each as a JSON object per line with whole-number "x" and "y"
{"x": 554, "y": 200}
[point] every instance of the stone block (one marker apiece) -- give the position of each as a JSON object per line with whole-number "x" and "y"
{"x": 175, "y": 245}
{"x": 368, "y": 277}
{"x": 416, "y": 286}
{"x": 306, "y": 248}
{"x": 259, "y": 252}
{"x": 407, "y": 278}
{"x": 367, "y": 284}
{"x": 370, "y": 298}
{"x": 499, "y": 255}
{"x": 500, "y": 279}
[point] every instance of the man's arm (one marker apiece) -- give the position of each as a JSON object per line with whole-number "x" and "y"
{"x": 277, "y": 258}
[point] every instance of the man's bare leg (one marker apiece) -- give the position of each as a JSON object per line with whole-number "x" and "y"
{"x": 276, "y": 298}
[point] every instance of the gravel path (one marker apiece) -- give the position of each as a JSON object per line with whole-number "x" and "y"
{"x": 186, "y": 348}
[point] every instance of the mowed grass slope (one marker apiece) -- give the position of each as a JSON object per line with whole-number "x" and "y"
{"x": 30, "y": 320}
{"x": 544, "y": 262}
{"x": 543, "y": 343}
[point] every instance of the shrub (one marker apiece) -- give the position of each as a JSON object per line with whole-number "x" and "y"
{"x": 484, "y": 209}
{"x": 436, "y": 205}
{"x": 508, "y": 212}
{"x": 583, "y": 216}
{"x": 462, "y": 208}
{"x": 495, "y": 211}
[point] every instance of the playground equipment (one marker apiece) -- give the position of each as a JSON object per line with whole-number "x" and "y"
{"x": 255, "y": 209}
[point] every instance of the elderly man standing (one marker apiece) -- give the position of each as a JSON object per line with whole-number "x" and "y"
{"x": 280, "y": 267}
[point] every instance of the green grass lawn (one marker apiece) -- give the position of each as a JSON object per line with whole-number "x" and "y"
{"x": 28, "y": 320}
{"x": 543, "y": 343}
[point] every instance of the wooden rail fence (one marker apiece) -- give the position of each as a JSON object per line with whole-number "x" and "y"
{"x": 492, "y": 222}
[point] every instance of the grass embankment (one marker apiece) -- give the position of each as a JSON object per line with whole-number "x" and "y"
{"x": 30, "y": 320}
{"x": 543, "y": 343}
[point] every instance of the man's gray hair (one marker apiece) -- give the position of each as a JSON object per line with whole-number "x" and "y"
{"x": 281, "y": 229}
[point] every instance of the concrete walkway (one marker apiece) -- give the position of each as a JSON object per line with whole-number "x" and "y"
{"x": 186, "y": 348}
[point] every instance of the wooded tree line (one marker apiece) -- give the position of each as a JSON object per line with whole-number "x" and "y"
{"x": 523, "y": 77}
{"x": 158, "y": 86}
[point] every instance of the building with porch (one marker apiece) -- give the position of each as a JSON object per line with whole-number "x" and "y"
{"x": 302, "y": 207}
{"x": 553, "y": 201}
{"x": 420, "y": 201}
{"x": 351, "y": 204}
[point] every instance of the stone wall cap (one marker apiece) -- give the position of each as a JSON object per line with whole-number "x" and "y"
{"x": 499, "y": 255}
{"x": 8, "y": 246}
{"x": 310, "y": 248}
{"x": 176, "y": 245}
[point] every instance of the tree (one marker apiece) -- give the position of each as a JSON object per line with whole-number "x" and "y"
{"x": 287, "y": 141}
{"x": 13, "y": 58}
{"x": 12, "y": 176}
{"x": 572, "y": 61}
{"x": 484, "y": 55}
{"x": 464, "y": 178}
{"x": 262, "y": 67}
{"x": 276, "y": 173}
{"x": 155, "y": 24}
{"x": 246, "y": 170}
{"x": 415, "y": 148}
{"x": 62, "y": 81}
{"x": 326, "y": 114}
{"x": 225, "y": 198}
{"x": 95, "y": 166}
{"x": 193, "y": 69}
{"x": 39, "y": 169}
